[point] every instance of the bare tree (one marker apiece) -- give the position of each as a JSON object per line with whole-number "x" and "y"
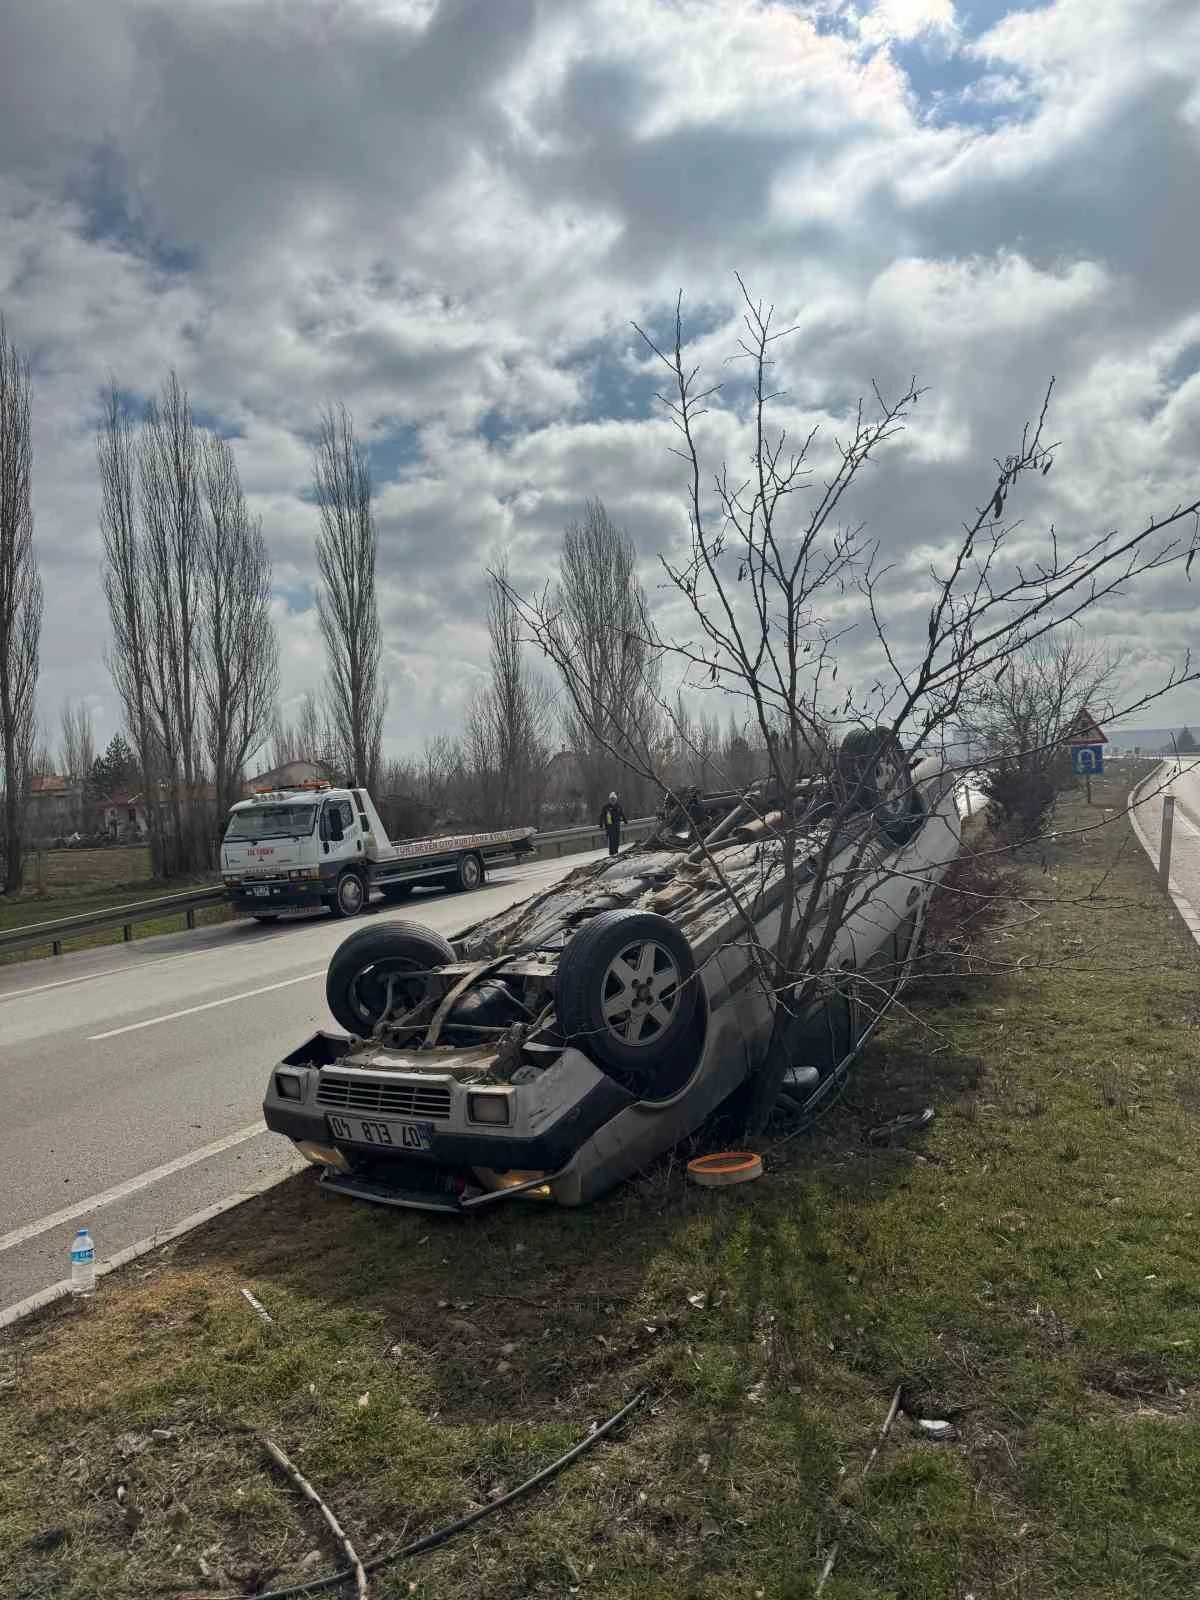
{"x": 127, "y": 589}
{"x": 1019, "y": 720}
{"x": 240, "y": 657}
{"x": 309, "y": 738}
{"x": 597, "y": 611}
{"x": 77, "y": 740}
{"x": 42, "y": 765}
{"x": 763, "y": 582}
{"x": 187, "y": 580}
{"x": 509, "y": 722}
{"x": 170, "y": 479}
{"x": 346, "y": 601}
{"x": 20, "y": 605}
{"x": 77, "y": 752}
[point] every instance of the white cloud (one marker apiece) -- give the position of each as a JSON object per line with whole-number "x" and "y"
{"x": 448, "y": 214}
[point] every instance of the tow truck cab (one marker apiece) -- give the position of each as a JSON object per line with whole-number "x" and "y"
{"x": 315, "y": 844}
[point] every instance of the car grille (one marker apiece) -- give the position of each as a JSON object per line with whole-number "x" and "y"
{"x": 383, "y": 1099}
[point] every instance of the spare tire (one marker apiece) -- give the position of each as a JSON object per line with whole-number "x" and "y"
{"x": 626, "y": 993}
{"x": 398, "y": 955}
{"x": 873, "y": 774}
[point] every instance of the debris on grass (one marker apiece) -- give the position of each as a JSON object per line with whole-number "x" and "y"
{"x": 257, "y": 1307}
{"x": 937, "y": 1430}
{"x": 831, "y": 1559}
{"x": 286, "y": 1465}
{"x": 911, "y": 1122}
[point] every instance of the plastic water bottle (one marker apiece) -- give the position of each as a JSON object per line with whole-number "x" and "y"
{"x": 83, "y": 1263}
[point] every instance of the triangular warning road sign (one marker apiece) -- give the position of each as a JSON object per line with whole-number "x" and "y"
{"x": 1086, "y": 730}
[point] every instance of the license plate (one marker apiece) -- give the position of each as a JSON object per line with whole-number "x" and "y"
{"x": 397, "y": 1135}
{"x": 261, "y": 890}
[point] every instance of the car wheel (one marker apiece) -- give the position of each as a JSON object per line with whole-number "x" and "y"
{"x": 873, "y": 775}
{"x": 350, "y": 896}
{"x": 390, "y": 958}
{"x": 626, "y": 993}
{"x": 394, "y": 893}
{"x": 470, "y": 873}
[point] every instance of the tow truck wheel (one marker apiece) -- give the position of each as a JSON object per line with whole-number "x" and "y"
{"x": 626, "y": 994}
{"x": 389, "y": 956}
{"x": 469, "y": 874}
{"x": 350, "y": 896}
{"x": 873, "y": 775}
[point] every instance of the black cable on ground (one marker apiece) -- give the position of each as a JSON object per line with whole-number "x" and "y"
{"x": 440, "y": 1536}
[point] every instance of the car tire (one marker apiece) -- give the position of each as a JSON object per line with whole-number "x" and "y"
{"x": 469, "y": 873}
{"x": 643, "y": 959}
{"x": 873, "y": 775}
{"x": 350, "y": 896}
{"x": 356, "y": 984}
{"x": 394, "y": 893}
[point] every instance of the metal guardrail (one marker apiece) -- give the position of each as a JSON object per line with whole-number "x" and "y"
{"x": 562, "y": 842}
{"x": 123, "y": 917}
{"x": 552, "y": 844}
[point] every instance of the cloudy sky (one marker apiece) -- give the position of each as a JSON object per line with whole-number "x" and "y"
{"x": 447, "y": 213}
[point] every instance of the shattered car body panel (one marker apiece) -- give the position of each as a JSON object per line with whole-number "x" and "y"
{"x": 480, "y": 1091}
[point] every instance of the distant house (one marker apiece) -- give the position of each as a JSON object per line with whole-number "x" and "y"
{"x": 125, "y": 818}
{"x": 122, "y": 818}
{"x": 290, "y": 774}
{"x": 55, "y": 807}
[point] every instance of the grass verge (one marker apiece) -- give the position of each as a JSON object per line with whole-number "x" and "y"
{"x": 70, "y": 883}
{"x": 1028, "y": 1269}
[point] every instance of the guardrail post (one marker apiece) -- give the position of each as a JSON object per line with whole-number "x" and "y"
{"x": 56, "y": 947}
{"x": 127, "y": 933}
{"x": 191, "y": 916}
{"x": 1164, "y": 849}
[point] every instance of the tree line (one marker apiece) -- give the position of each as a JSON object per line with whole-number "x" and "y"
{"x": 194, "y": 656}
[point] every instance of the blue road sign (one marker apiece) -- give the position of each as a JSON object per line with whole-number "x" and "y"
{"x": 1087, "y": 760}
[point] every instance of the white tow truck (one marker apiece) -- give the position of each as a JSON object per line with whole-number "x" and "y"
{"x": 317, "y": 845}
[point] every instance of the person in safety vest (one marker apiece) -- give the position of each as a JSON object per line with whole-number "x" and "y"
{"x": 611, "y": 819}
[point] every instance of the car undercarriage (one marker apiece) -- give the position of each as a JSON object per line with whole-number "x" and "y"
{"x": 565, "y": 1042}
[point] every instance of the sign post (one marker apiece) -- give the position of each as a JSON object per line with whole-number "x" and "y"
{"x": 1164, "y": 845}
{"x": 1087, "y": 740}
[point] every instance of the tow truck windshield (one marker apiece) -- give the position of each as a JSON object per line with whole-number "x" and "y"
{"x": 271, "y": 822}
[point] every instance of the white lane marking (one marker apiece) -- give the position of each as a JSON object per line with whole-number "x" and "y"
{"x": 122, "y": 1191}
{"x": 209, "y": 1005}
{"x": 520, "y": 874}
{"x": 131, "y": 1252}
{"x": 87, "y": 977}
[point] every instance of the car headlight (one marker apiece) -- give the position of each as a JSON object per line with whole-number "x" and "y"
{"x": 492, "y": 1106}
{"x": 288, "y": 1086}
{"x": 233, "y": 878}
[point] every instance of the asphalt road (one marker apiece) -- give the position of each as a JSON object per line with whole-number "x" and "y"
{"x": 132, "y": 1076}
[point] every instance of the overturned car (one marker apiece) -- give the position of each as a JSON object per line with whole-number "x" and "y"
{"x": 560, "y": 1046}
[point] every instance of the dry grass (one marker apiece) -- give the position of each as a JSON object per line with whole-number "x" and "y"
{"x": 1028, "y": 1269}
{"x": 68, "y": 883}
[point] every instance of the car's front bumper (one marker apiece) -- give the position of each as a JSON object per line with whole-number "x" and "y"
{"x": 278, "y": 894}
{"x": 552, "y": 1119}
